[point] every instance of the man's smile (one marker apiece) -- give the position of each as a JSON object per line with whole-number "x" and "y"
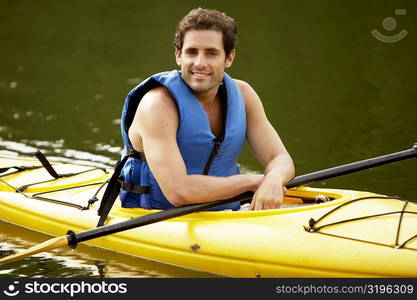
{"x": 200, "y": 74}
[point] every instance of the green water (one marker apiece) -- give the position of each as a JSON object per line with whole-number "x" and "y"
{"x": 335, "y": 93}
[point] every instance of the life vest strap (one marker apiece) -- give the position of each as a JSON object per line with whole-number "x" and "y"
{"x": 135, "y": 189}
{"x": 115, "y": 184}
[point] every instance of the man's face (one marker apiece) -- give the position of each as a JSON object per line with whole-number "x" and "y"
{"x": 203, "y": 60}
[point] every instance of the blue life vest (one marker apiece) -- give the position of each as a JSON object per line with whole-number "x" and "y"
{"x": 194, "y": 137}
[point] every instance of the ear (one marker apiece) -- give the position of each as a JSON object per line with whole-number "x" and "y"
{"x": 178, "y": 57}
{"x": 229, "y": 59}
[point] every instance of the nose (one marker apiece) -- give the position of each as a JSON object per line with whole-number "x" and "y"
{"x": 200, "y": 61}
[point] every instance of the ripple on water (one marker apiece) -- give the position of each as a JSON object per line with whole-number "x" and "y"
{"x": 56, "y": 151}
{"x": 18, "y": 147}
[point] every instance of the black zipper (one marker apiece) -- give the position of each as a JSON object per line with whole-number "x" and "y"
{"x": 218, "y": 140}
{"x": 216, "y": 149}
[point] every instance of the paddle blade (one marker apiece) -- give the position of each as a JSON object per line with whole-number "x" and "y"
{"x": 45, "y": 246}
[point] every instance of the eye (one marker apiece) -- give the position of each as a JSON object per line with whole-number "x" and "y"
{"x": 212, "y": 53}
{"x": 191, "y": 51}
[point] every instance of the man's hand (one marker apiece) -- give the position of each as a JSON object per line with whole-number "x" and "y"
{"x": 269, "y": 194}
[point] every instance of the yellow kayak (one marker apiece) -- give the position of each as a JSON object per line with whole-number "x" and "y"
{"x": 318, "y": 232}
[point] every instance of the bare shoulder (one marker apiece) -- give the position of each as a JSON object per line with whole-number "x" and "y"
{"x": 157, "y": 100}
{"x": 245, "y": 88}
{"x": 156, "y": 117}
{"x": 249, "y": 95}
{"x": 157, "y": 106}
{"x": 157, "y": 111}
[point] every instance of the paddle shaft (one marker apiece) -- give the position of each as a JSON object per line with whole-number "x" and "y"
{"x": 353, "y": 167}
{"x": 74, "y": 238}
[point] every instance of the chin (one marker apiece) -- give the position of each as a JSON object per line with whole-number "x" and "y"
{"x": 197, "y": 86}
{"x": 200, "y": 88}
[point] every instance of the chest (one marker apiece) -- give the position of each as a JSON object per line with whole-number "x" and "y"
{"x": 216, "y": 116}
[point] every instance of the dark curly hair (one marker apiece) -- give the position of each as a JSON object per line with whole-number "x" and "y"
{"x": 208, "y": 19}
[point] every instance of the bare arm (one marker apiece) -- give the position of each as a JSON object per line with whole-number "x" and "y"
{"x": 269, "y": 150}
{"x": 155, "y": 127}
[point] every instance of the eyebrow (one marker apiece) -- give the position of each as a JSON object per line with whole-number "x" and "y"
{"x": 206, "y": 49}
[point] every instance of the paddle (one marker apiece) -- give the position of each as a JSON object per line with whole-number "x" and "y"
{"x": 72, "y": 238}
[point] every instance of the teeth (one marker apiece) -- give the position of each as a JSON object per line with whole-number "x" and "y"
{"x": 200, "y": 74}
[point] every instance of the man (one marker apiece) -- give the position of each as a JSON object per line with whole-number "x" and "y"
{"x": 183, "y": 130}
